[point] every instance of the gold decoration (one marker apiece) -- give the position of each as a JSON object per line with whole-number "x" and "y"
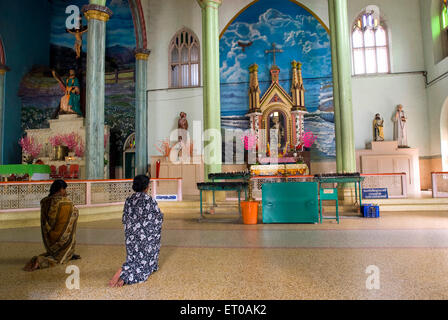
{"x": 142, "y": 56}
{"x": 97, "y": 15}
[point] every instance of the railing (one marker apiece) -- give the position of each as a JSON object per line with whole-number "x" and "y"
{"x": 22, "y": 196}
{"x": 439, "y": 184}
{"x": 395, "y": 183}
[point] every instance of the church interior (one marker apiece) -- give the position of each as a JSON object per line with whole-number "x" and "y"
{"x": 298, "y": 149}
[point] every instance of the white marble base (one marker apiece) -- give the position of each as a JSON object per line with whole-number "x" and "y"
{"x": 386, "y": 157}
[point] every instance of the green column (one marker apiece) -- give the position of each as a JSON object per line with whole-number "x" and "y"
{"x": 3, "y": 70}
{"x": 337, "y": 107}
{"x": 211, "y": 82}
{"x": 97, "y": 16}
{"x": 141, "y": 112}
{"x": 344, "y": 85}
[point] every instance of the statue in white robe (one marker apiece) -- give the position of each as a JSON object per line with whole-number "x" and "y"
{"x": 400, "y": 132}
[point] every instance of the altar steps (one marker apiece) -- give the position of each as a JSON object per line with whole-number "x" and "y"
{"x": 189, "y": 209}
{"x": 415, "y": 204}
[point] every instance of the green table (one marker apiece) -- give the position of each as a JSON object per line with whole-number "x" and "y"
{"x": 245, "y": 176}
{"x": 21, "y": 169}
{"x": 336, "y": 180}
{"x": 222, "y": 186}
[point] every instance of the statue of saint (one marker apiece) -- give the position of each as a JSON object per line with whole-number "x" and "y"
{"x": 279, "y": 130}
{"x": 182, "y": 126}
{"x": 400, "y": 132}
{"x": 71, "y": 101}
{"x": 378, "y": 127}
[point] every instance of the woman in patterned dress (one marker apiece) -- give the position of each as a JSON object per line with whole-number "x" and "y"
{"x": 142, "y": 220}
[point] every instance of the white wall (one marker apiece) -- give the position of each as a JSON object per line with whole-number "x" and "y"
{"x": 382, "y": 93}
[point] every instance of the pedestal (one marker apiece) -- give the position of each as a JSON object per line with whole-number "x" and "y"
{"x": 386, "y": 157}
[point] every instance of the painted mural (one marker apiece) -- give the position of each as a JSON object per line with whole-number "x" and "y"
{"x": 40, "y": 92}
{"x": 302, "y": 38}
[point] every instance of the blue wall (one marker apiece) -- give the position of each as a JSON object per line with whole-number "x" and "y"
{"x": 25, "y": 30}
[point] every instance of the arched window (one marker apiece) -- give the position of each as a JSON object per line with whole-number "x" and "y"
{"x": 370, "y": 45}
{"x": 184, "y": 58}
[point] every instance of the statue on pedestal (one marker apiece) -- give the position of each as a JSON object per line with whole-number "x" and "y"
{"x": 182, "y": 126}
{"x": 400, "y": 132}
{"x": 378, "y": 128}
{"x": 71, "y": 101}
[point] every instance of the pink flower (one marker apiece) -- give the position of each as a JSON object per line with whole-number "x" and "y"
{"x": 56, "y": 140}
{"x": 30, "y": 147}
{"x": 308, "y": 139}
{"x": 249, "y": 141}
{"x": 71, "y": 140}
{"x": 79, "y": 150}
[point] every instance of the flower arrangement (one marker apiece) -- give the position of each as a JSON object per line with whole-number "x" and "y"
{"x": 71, "y": 140}
{"x": 56, "y": 140}
{"x": 164, "y": 147}
{"x": 308, "y": 139}
{"x": 249, "y": 141}
{"x": 79, "y": 150}
{"x": 30, "y": 148}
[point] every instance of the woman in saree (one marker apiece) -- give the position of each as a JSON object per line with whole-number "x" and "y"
{"x": 58, "y": 224}
{"x": 142, "y": 220}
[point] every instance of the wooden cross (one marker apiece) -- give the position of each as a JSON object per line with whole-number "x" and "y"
{"x": 273, "y": 51}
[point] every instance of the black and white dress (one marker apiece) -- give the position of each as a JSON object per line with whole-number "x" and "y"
{"x": 142, "y": 220}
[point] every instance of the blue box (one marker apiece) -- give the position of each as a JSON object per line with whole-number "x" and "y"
{"x": 370, "y": 211}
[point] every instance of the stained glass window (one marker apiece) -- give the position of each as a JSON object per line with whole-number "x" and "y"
{"x": 369, "y": 45}
{"x": 184, "y": 60}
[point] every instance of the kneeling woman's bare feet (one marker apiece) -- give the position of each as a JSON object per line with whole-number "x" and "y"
{"x": 32, "y": 265}
{"x": 116, "y": 282}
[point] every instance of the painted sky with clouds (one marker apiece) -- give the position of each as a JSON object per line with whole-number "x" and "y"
{"x": 291, "y": 27}
{"x": 294, "y": 30}
{"x": 119, "y": 29}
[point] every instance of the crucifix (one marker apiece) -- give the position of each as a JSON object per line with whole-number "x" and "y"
{"x": 273, "y": 51}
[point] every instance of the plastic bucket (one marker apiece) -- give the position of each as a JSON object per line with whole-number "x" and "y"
{"x": 249, "y": 212}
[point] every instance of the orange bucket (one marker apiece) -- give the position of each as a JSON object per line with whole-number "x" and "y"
{"x": 249, "y": 211}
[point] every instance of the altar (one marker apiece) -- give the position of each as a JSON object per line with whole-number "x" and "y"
{"x": 66, "y": 133}
{"x": 277, "y": 122}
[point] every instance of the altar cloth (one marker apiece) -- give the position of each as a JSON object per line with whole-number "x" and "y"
{"x": 21, "y": 169}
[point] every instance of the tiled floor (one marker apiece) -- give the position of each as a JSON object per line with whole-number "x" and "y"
{"x": 233, "y": 261}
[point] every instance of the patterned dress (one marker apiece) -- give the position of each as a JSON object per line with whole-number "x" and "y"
{"x": 142, "y": 220}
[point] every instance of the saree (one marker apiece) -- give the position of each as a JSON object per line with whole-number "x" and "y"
{"x": 58, "y": 226}
{"x": 142, "y": 220}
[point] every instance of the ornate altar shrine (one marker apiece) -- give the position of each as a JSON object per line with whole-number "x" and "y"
{"x": 280, "y": 114}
